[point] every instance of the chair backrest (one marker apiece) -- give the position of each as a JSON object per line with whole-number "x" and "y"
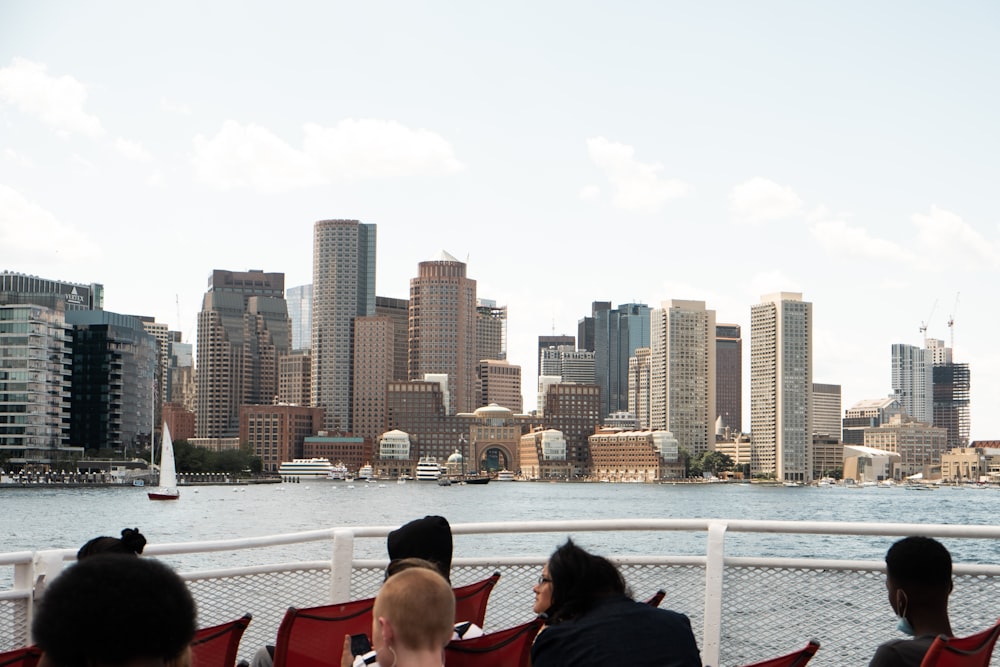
{"x": 972, "y": 651}
{"x": 471, "y": 600}
{"x": 794, "y": 659}
{"x": 314, "y": 637}
{"x": 503, "y": 648}
{"x": 216, "y": 646}
{"x": 26, "y": 656}
{"x": 657, "y": 598}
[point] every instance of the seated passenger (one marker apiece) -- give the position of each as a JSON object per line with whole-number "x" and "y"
{"x": 918, "y": 578}
{"x": 413, "y": 619}
{"x": 592, "y": 620}
{"x": 132, "y": 542}
{"x": 115, "y": 610}
{"x": 428, "y": 538}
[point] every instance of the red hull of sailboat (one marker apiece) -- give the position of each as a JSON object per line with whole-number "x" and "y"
{"x": 163, "y": 496}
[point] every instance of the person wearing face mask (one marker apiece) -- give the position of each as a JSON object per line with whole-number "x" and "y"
{"x": 918, "y": 578}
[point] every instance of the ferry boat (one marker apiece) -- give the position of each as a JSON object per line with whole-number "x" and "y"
{"x": 316, "y": 468}
{"x": 366, "y": 472}
{"x": 338, "y": 472}
{"x": 505, "y": 476}
{"x": 428, "y": 469}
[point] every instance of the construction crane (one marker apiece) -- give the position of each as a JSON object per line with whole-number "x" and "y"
{"x": 951, "y": 324}
{"x": 923, "y": 325}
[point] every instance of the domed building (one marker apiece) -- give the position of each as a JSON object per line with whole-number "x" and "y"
{"x": 494, "y": 436}
{"x": 455, "y": 463}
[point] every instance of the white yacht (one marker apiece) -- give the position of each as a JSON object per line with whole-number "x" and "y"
{"x": 505, "y": 476}
{"x": 313, "y": 468}
{"x": 366, "y": 472}
{"x": 428, "y": 469}
{"x": 338, "y": 473}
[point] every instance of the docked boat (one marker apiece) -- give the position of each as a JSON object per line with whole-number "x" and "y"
{"x": 505, "y": 476}
{"x": 312, "y": 468}
{"x": 338, "y": 473}
{"x": 428, "y": 469}
{"x": 366, "y": 472}
{"x": 474, "y": 478}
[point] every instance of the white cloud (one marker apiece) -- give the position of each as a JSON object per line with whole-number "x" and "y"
{"x": 56, "y": 101}
{"x": 839, "y": 238}
{"x": 639, "y": 186}
{"x": 132, "y": 150}
{"x": 252, "y": 156}
{"x": 175, "y": 107}
{"x": 761, "y": 200}
{"x": 950, "y": 241}
{"x": 30, "y": 234}
{"x": 590, "y": 192}
{"x": 156, "y": 180}
{"x": 10, "y": 155}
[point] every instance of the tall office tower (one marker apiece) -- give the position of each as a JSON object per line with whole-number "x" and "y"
{"x": 553, "y": 341}
{"x": 373, "y": 366}
{"x": 550, "y": 360}
{"x": 682, "y": 373}
{"x": 114, "y": 372}
{"x": 418, "y": 409}
{"x": 398, "y": 310}
{"x": 443, "y": 328}
{"x": 618, "y": 333}
{"x": 913, "y": 380}
{"x": 343, "y": 288}
{"x": 575, "y": 410}
{"x": 569, "y": 364}
{"x": 295, "y": 378}
{"x": 638, "y": 385}
{"x": 500, "y": 383}
{"x": 36, "y": 384}
{"x": 491, "y": 330}
{"x": 300, "y": 301}
{"x": 729, "y": 376}
{"x": 951, "y": 402}
{"x": 826, "y": 410}
{"x": 180, "y": 375}
{"x": 781, "y": 387}
{"x": 19, "y": 288}
{"x": 164, "y": 337}
{"x": 585, "y": 328}
{"x": 242, "y": 331}
{"x": 869, "y": 413}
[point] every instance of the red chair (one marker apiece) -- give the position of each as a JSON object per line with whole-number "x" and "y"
{"x": 657, "y": 598}
{"x": 471, "y": 600}
{"x": 26, "y": 656}
{"x": 216, "y": 646}
{"x": 796, "y": 659}
{"x": 972, "y": 651}
{"x": 314, "y": 637}
{"x": 503, "y": 648}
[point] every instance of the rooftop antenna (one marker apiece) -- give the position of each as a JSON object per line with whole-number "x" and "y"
{"x": 951, "y": 324}
{"x": 923, "y": 325}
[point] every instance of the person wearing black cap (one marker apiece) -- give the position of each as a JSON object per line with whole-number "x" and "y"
{"x": 428, "y": 538}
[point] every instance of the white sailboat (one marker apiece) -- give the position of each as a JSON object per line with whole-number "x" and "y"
{"x": 167, "y": 488}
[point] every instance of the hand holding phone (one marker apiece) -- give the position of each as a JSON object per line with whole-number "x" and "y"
{"x": 360, "y": 644}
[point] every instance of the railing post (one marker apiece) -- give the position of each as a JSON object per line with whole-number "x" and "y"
{"x": 341, "y": 565}
{"x": 713, "y": 593}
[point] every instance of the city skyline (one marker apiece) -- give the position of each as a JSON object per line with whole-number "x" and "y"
{"x": 699, "y": 154}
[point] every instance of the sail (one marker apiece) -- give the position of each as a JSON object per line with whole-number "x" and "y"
{"x": 168, "y": 472}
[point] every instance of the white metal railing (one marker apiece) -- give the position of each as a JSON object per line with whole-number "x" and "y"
{"x": 742, "y": 608}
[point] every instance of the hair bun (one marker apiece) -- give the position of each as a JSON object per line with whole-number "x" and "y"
{"x": 133, "y": 540}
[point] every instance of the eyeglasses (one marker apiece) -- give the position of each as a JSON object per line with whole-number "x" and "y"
{"x": 542, "y": 579}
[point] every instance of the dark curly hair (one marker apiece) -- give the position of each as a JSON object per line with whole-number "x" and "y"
{"x": 580, "y": 580}
{"x": 131, "y": 542}
{"x": 114, "y": 609}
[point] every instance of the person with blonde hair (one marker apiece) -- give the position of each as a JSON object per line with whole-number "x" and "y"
{"x": 413, "y": 619}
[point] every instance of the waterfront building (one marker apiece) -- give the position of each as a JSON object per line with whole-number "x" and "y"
{"x": 491, "y": 330}
{"x": 180, "y": 420}
{"x": 37, "y": 355}
{"x": 575, "y": 411}
{"x": 865, "y": 414}
{"x": 114, "y": 373}
{"x": 373, "y": 371}
{"x": 729, "y": 375}
{"x": 353, "y": 451}
{"x": 827, "y": 456}
{"x": 913, "y": 380}
{"x": 494, "y": 438}
{"x": 781, "y": 352}
{"x": 418, "y": 408}
{"x": 920, "y": 446}
{"x": 227, "y": 444}
{"x": 277, "y": 433}
{"x": 633, "y": 456}
{"x": 500, "y": 383}
{"x": 299, "y": 300}
{"x": 343, "y": 289}
{"x": 398, "y": 310}
{"x": 869, "y": 465}
{"x": 964, "y": 464}
{"x": 295, "y": 378}
{"x": 826, "y": 410}
{"x": 20, "y": 288}
{"x": 737, "y": 447}
{"x": 544, "y": 383}
{"x": 395, "y": 455}
{"x": 543, "y": 455}
{"x": 545, "y": 342}
{"x": 951, "y": 402}
{"x": 638, "y": 385}
{"x": 243, "y": 329}
{"x": 682, "y": 373}
{"x": 443, "y": 329}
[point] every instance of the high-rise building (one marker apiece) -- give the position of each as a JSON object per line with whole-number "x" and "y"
{"x": 373, "y": 370}
{"x": 299, "y": 300}
{"x": 638, "y": 385}
{"x": 398, "y": 310}
{"x": 164, "y": 337}
{"x": 568, "y": 364}
{"x": 545, "y": 342}
{"x": 442, "y": 336}
{"x": 869, "y": 413}
{"x": 574, "y": 410}
{"x": 951, "y": 402}
{"x": 417, "y": 408}
{"x": 491, "y": 330}
{"x": 781, "y": 387}
{"x": 826, "y": 410}
{"x": 36, "y": 384}
{"x": 343, "y": 288}
{"x": 295, "y": 378}
{"x": 729, "y": 376}
{"x": 913, "y": 380}
{"x": 243, "y": 329}
{"x": 500, "y": 383}
{"x": 618, "y": 332}
{"x": 585, "y": 331}
{"x": 19, "y": 288}
{"x": 682, "y": 373}
{"x": 114, "y": 373}
{"x": 277, "y": 433}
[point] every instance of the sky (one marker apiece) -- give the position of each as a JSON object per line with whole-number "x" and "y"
{"x": 569, "y": 152}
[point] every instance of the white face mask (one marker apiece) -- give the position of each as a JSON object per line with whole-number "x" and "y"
{"x": 903, "y": 625}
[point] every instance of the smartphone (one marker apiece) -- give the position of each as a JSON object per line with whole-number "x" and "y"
{"x": 360, "y": 644}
